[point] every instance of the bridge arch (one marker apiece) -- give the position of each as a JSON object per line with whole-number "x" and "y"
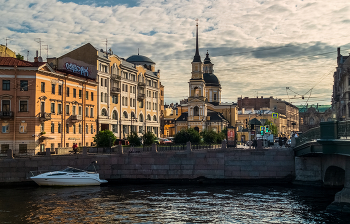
{"x": 334, "y": 176}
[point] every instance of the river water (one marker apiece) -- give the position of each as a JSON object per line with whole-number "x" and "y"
{"x": 168, "y": 204}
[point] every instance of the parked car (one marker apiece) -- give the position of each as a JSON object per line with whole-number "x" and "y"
{"x": 122, "y": 141}
{"x": 164, "y": 141}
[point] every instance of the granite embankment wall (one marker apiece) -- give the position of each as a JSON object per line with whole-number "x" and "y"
{"x": 222, "y": 165}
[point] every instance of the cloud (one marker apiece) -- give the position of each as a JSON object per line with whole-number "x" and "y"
{"x": 258, "y": 47}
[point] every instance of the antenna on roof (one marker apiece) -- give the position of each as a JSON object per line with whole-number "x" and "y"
{"x": 38, "y": 40}
{"x": 47, "y": 50}
{"x": 138, "y": 51}
{"x": 7, "y": 40}
{"x": 27, "y": 55}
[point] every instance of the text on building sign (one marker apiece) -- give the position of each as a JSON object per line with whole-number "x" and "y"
{"x": 77, "y": 69}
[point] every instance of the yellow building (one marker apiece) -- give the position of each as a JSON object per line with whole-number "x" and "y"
{"x": 45, "y": 108}
{"x": 6, "y": 52}
{"x": 204, "y": 109}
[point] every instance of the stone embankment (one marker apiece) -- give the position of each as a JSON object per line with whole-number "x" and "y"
{"x": 219, "y": 164}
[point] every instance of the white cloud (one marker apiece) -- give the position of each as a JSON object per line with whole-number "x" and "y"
{"x": 226, "y": 27}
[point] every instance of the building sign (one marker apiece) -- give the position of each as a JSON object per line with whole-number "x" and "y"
{"x": 231, "y": 137}
{"x": 78, "y": 67}
{"x": 74, "y": 139}
{"x": 81, "y": 70}
{"x": 274, "y": 115}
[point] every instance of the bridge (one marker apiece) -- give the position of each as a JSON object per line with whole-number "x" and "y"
{"x": 323, "y": 154}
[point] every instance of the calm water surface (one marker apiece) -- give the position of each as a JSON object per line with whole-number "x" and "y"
{"x": 168, "y": 204}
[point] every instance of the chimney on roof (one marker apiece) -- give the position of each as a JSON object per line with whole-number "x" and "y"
{"x": 36, "y": 58}
{"x": 40, "y": 59}
{"x": 243, "y": 110}
{"x": 338, "y": 49}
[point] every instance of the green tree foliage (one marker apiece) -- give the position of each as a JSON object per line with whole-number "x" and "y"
{"x": 149, "y": 138}
{"x": 19, "y": 56}
{"x": 272, "y": 127}
{"x": 212, "y": 137}
{"x": 188, "y": 135}
{"x": 134, "y": 139}
{"x": 104, "y": 138}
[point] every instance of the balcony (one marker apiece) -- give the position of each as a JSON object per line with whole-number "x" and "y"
{"x": 116, "y": 77}
{"x": 45, "y": 116}
{"x": 6, "y": 114}
{"x": 115, "y": 90}
{"x": 76, "y": 118}
{"x": 141, "y": 96}
{"x": 141, "y": 84}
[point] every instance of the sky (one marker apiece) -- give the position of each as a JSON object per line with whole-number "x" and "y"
{"x": 281, "y": 48}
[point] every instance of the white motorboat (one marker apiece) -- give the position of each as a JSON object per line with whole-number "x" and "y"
{"x": 68, "y": 177}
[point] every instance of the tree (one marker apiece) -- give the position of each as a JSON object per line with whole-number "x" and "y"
{"x": 19, "y": 56}
{"x": 272, "y": 127}
{"x": 149, "y": 138}
{"x": 212, "y": 137}
{"x": 188, "y": 135}
{"x": 104, "y": 138}
{"x": 134, "y": 139}
{"x": 209, "y": 136}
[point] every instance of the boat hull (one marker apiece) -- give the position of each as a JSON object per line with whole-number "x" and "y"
{"x": 67, "y": 181}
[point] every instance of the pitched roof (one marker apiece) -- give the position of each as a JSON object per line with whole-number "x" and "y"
{"x": 11, "y": 62}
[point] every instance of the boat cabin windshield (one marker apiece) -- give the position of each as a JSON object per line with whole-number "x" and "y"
{"x": 72, "y": 170}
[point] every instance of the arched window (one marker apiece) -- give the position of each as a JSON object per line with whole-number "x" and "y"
{"x": 148, "y": 117}
{"x": 132, "y": 114}
{"x": 104, "y": 112}
{"x": 311, "y": 121}
{"x": 196, "y": 111}
{"x": 141, "y": 118}
{"x": 125, "y": 114}
{"x": 196, "y": 129}
{"x": 154, "y": 118}
{"x": 196, "y": 91}
{"x": 115, "y": 115}
{"x": 322, "y": 119}
{"x": 329, "y": 119}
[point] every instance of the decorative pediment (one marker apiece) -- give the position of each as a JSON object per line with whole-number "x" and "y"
{"x": 5, "y": 96}
{"x": 42, "y": 98}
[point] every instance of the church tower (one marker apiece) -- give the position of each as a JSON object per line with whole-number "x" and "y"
{"x": 197, "y": 83}
{"x": 197, "y": 106}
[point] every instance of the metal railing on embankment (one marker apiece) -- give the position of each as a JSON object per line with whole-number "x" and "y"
{"x": 308, "y": 136}
{"x": 205, "y": 147}
{"x": 111, "y": 150}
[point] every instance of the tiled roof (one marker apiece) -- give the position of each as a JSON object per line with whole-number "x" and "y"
{"x": 11, "y": 62}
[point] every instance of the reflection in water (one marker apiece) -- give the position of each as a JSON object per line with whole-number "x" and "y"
{"x": 168, "y": 204}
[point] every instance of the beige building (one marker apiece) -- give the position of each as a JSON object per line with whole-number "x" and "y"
{"x": 285, "y": 110}
{"x": 128, "y": 92}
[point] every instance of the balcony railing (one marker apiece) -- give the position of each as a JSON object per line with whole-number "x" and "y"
{"x": 141, "y": 96}
{"x": 6, "y": 114}
{"x": 45, "y": 116}
{"x": 75, "y": 118}
{"x": 116, "y": 77}
{"x": 141, "y": 84}
{"x": 115, "y": 90}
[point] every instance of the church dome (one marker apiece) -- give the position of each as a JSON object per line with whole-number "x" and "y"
{"x": 139, "y": 59}
{"x": 211, "y": 79}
